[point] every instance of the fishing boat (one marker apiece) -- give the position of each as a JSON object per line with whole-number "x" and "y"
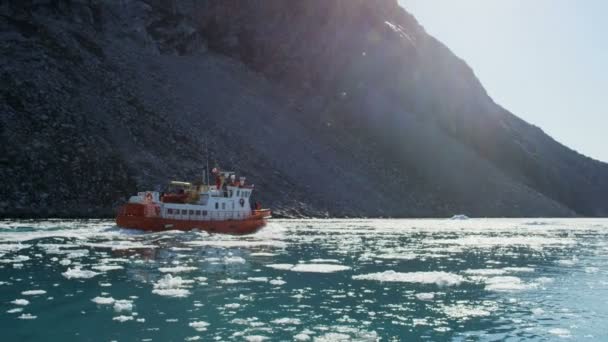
{"x": 224, "y": 208}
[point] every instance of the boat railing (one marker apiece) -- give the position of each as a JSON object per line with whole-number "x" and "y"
{"x": 215, "y": 215}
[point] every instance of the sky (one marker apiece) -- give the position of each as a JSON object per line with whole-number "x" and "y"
{"x": 544, "y": 60}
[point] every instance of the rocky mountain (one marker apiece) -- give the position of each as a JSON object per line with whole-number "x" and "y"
{"x": 331, "y": 107}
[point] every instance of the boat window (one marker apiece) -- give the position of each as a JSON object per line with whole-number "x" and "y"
{"x": 204, "y": 199}
{"x": 238, "y": 193}
{"x": 223, "y": 206}
{"x": 169, "y": 211}
{"x": 204, "y": 212}
{"x": 184, "y": 211}
{"x": 198, "y": 213}
{"x": 216, "y": 205}
{"x": 191, "y": 212}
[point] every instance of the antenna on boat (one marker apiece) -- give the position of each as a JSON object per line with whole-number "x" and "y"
{"x": 207, "y": 161}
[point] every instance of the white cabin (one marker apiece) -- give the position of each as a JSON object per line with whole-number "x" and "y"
{"x": 233, "y": 203}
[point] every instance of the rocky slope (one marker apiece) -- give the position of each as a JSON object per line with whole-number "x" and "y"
{"x": 331, "y": 107}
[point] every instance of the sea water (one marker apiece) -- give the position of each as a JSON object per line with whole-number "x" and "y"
{"x": 317, "y": 280}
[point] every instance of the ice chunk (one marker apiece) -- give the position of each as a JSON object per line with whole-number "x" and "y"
{"x": 425, "y": 296}
{"x": 280, "y": 266}
{"x": 77, "y": 273}
{"x": 123, "y": 305}
{"x": 199, "y": 325}
{"x": 177, "y": 269}
{"x": 177, "y": 293}
{"x": 287, "y": 321}
{"x": 20, "y": 302}
{"x": 33, "y": 292}
{"x": 438, "y": 278}
{"x": 27, "y": 316}
{"x": 301, "y": 337}
{"x": 312, "y": 268}
{"x": 123, "y": 318}
{"x": 507, "y": 284}
{"x": 105, "y": 268}
{"x": 486, "y": 272}
{"x": 255, "y": 338}
{"x": 325, "y": 261}
{"x": 234, "y": 260}
{"x": 15, "y": 310}
{"x": 461, "y": 311}
{"x": 263, "y": 254}
{"x": 277, "y": 282}
{"x": 103, "y": 300}
{"x": 560, "y": 332}
{"x": 170, "y": 286}
{"x": 258, "y": 279}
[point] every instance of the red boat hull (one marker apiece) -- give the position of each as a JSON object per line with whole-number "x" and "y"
{"x": 135, "y": 219}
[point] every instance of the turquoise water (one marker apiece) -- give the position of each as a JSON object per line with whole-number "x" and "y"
{"x": 323, "y": 280}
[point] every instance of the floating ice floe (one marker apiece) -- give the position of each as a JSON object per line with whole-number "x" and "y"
{"x": 498, "y": 271}
{"x": 258, "y": 279}
{"x": 560, "y": 332}
{"x": 461, "y": 311}
{"x": 255, "y": 338}
{"x": 396, "y": 256}
{"x": 324, "y": 261}
{"x": 233, "y": 260}
{"x": 65, "y": 262}
{"x": 591, "y": 269}
{"x": 120, "y": 245}
{"x": 425, "y": 296}
{"x": 27, "y": 316}
{"x": 568, "y": 262}
{"x": 232, "y": 306}
{"x": 123, "y": 305}
{"x": 537, "y": 311}
{"x": 103, "y": 300}
{"x": 481, "y": 241}
{"x": 77, "y": 273}
{"x": 170, "y": 286}
{"x": 15, "y": 310}
{"x": 105, "y": 268}
{"x": 33, "y": 292}
{"x": 265, "y": 254}
{"x": 459, "y": 217}
{"x": 287, "y": 321}
{"x": 177, "y": 269}
{"x": 123, "y": 318}
{"x": 22, "y": 302}
{"x": 277, "y": 282}
{"x": 17, "y": 259}
{"x": 199, "y": 325}
{"x": 301, "y": 337}
{"x": 230, "y": 281}
{"x": 312, "y": 268}
{"x": 507, "y": 284}
{"x": 437, "y": 278}
{"x": 238, "y": 243}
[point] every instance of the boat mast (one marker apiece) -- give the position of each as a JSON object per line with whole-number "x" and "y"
{"x": 207, "y": 161}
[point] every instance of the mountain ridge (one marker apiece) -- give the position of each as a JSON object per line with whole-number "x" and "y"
{"x": 333, "y": 108}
